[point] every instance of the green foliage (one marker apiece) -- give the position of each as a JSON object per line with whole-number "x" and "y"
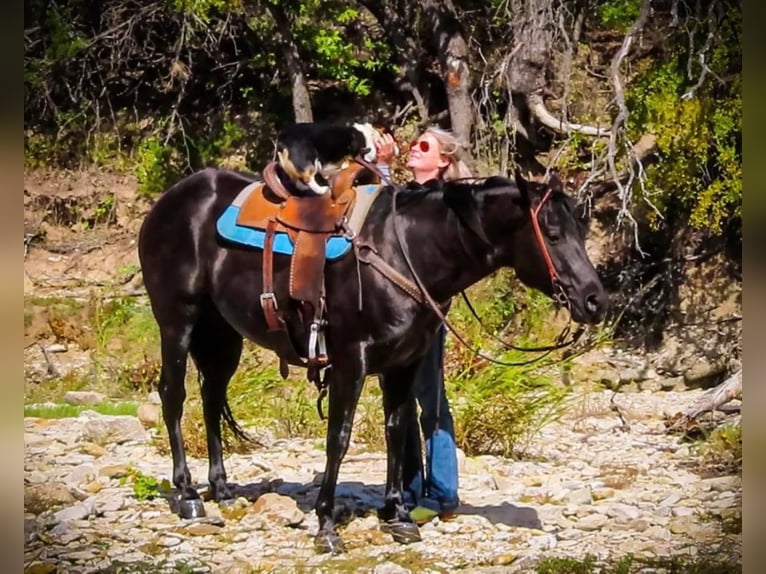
{"x": 369, "y": 423}
{"x": 498, "y": 408}
{"x": 154, "y": 169}
{"x": 260, "y": 397}
{"x": 698, "y": 131}
{"x": 38, "y": 150}
{"x": 126, "y": 355}
{"x": 65, "y": 43}
{"x": 705, "y": 563}
{"x": 103, "y": 213}
{"x": 336, "y": 53}
{"x": 503, "y": 407}
{"x": 117, "y": 317}
{"x": 204, "y": 10}
{"x": 60, "y": 411}
{"x": 145, "y": 487}
{"x": 120, "y": 332}
{"x": 558, "y": 565}
{"x": 219, "y": 143}
{"x": 154, "y": 566}
{"x": 618, "y": 14}
{"x": 721, "y": 450}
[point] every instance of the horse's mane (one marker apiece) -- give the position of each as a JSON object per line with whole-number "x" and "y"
{"x": 414, "y": 192}
{"x": 460, "y": 196}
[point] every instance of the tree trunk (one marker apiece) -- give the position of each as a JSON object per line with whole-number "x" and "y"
{"x": 453, "y": 59}
{"x": 298, "y": 83}
{"x": 532, "y": 37}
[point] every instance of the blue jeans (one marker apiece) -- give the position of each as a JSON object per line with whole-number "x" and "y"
{"x": 438, "y": 490}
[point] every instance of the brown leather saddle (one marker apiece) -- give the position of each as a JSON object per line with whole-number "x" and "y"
{"x": 309, "y": 221}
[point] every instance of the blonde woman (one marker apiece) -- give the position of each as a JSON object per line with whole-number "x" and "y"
{"x": 434, "y": 155}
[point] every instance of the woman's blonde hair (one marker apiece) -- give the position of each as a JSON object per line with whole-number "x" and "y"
{"x": 452, "y": 149}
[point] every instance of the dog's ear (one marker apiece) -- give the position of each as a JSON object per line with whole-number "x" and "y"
{"x": 287, "y": 164}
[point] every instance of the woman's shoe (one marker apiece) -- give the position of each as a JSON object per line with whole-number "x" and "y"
{"x": 446, "y": 516}
{"x": 421, "y": 515}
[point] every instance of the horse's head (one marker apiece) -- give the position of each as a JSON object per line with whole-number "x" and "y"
{"x": 551, "y": 257}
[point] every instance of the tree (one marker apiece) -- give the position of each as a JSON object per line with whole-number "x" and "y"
{"x": 294, "y": 63}
{"x": 453, "y": 59}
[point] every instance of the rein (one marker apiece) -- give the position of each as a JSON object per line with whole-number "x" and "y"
{"x": 560, "y": 340}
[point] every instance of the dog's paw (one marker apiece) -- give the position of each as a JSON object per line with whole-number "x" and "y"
{"x": 316, "y": 188}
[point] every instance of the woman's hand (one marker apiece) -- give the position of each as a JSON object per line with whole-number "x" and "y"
{"x": 384, "y": 147}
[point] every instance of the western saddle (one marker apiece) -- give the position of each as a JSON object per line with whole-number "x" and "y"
{"x": 309, "y": 222}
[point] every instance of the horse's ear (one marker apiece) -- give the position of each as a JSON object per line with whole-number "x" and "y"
{"x": 522, "y": 183}
{"x": 555, "y": 183}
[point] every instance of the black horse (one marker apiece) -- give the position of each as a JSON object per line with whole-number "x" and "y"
{"x": 205, "y": 292}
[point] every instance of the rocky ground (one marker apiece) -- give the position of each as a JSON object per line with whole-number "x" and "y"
{"x": 600, "y": 482}
{"x": 605, "y": 481}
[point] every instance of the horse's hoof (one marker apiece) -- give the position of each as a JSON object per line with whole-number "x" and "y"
{"x": 403, "y": 532}
{"x": 328, "y": 543}
{"x": 191, "y": 508}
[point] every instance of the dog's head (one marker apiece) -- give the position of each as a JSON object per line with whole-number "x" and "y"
{"x": 369, "y": 131}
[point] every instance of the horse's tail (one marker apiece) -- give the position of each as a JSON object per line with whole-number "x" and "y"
{"x": 233, "y": 425}
{"x": 228, "y": 416}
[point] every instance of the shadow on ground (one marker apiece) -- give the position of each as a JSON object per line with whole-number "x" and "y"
{"x": 358, "y": 499}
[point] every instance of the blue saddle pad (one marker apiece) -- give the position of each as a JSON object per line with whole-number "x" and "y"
{"x": 337, "y": 245}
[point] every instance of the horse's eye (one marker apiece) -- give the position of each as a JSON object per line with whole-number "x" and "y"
{"x": 554, "y": 235}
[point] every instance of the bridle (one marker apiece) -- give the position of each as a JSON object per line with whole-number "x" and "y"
{"x": 559, "y": 294}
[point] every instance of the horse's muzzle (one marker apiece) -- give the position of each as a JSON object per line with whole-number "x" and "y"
{"x": 590, "y": 306}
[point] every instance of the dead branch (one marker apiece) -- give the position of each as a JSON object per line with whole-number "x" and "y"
{"x": 624, "y": 426}
{"x": 534, "y": 98}
{"x": 51, "y": 367}
{"x": 642, "y": 153}
{"x": 546, "y": 118}
{"x": 618, "y": 126}
{"x": 716, "y": 397}
{"x": 701, "y": 55}
{"x": 567, "y": 63}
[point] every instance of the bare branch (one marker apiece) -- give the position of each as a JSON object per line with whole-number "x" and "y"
{"x": 51, "y": 366}
{"x": 641, "y": 152}
{"x": 541, "y": 113}
{"x": 702, "y": 53}
{"x": 618, "y": 126}
{"x": 566, "y": 65}
{"x": 716, "y": 397}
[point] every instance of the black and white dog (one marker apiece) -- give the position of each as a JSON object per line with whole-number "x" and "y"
{"x": 312, "y": 153}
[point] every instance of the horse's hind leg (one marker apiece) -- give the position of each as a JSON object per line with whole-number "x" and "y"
{"x": 397, "y": 409}
{"x": 216, "y": 349}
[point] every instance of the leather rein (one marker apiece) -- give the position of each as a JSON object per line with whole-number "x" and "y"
{"x": 367, "y": 254}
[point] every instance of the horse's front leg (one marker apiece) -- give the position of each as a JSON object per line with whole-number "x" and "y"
{"x": 172, "y": 392}
{"x": 399, "y": 412}
{"x": 345, "y": 386}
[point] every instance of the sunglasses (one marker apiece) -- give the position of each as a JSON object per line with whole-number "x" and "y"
{"x": 423, "y": 145}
